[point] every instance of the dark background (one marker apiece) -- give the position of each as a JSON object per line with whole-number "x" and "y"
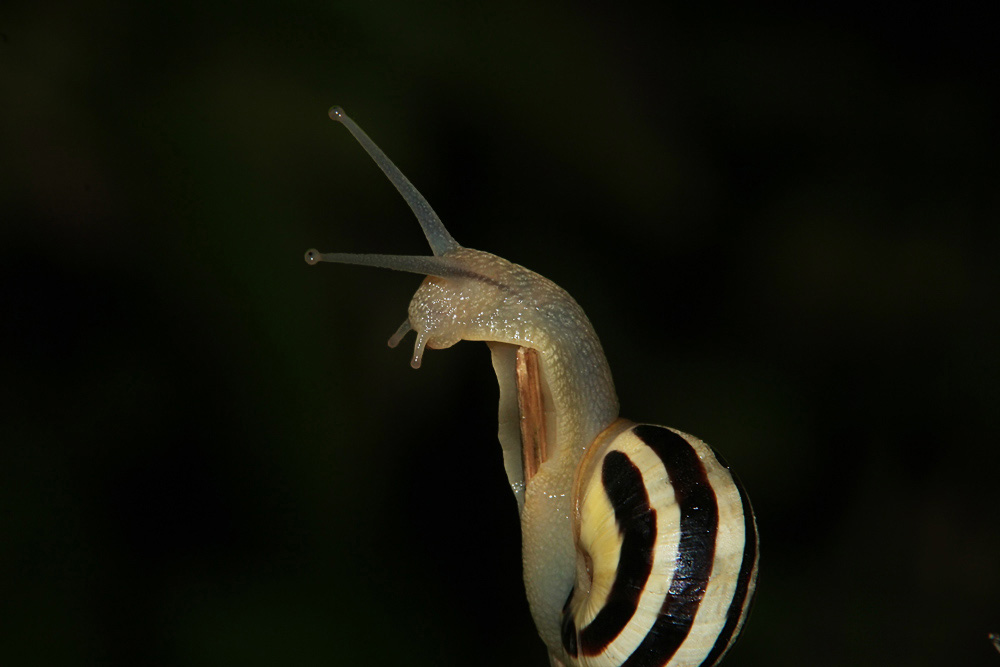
{"x": 782, "y": 223}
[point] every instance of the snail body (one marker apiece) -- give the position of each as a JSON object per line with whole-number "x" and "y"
{"x": 639, "y": 545}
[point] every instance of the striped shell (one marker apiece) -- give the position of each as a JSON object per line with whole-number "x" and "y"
{"x": 668, "y": 553}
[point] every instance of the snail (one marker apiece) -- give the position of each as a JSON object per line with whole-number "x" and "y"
{"x": 640, "y": 547}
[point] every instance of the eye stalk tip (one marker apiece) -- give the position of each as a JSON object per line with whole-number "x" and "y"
{"x": 313, "y": 256}
{"x": 337, "y": 114}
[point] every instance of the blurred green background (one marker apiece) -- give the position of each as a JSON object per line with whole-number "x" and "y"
{"x": 783, "y": 224}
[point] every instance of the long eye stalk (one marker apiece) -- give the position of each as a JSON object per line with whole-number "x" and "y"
{"x": 438, "y": 237}
{"x": 423, "y": 264}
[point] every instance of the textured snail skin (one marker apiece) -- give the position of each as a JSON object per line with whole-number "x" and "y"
{"x": 639, "y": 546}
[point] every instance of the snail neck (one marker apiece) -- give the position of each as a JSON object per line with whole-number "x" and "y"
{"x": 548, "y": 419}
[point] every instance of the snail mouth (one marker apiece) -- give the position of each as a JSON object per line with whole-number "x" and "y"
{"x": 531, "y": 406}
